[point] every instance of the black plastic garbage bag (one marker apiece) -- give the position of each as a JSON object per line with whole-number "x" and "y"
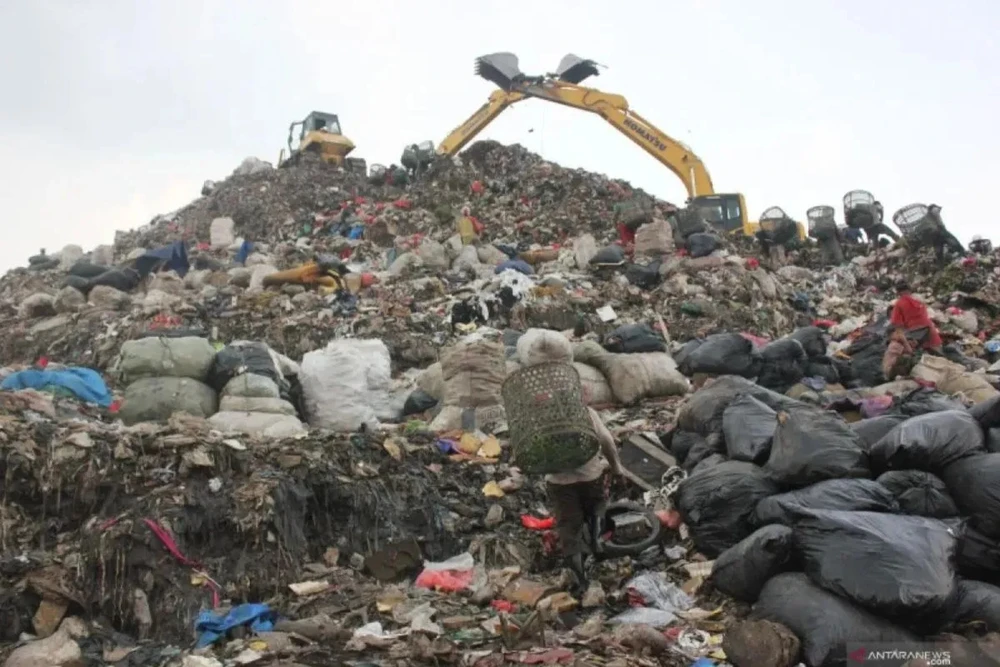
{"x": 901, "y": 567}
{"x": 920, "y": 493}
{"x": 929, "y": 442}
{"x": 812, "y": 339}
{"x": 783, "y": 364}
{"x": 872, "y": 430}
{"x": 233, "y": 360}
{"x": 702, "y": 244}
{"x": 418, "y": 401}
{"x": 742, "y": 570}
{"x": 924, "y": 401}
{"x": 634, "y": 338}
{"x": 811, "y": 445}
{"x": 716, "y": 504}
{"x": 748, "y": 427}
{"x": 85, "y": 269}
{"x": 974, "y": 483}
{"x": 993, "y": 440}
{"x": 644, "y": 276}
{"x": 687, "y": 349}
{"x": 612, "y": 254}
{"x": 704, "y": 448}
{"x": 987, "y": 412}
{"x": 702, "y": 412}
{"x": 978, "y": 556}
{"x": 852, "y": 495}
{"x": 708, "y": 462}
{"x": 125, "y": 280}
{"x": 722, "y": 354}
{"x": 683, "y": 442}
{"x": 78, "y": 283}
{"x": 688, "y": 221}
{"x": 978, "y": 602}
{"x": 822, "y": 621}
{"x": 823, "y": 368}
{"x": 866, "y": 359}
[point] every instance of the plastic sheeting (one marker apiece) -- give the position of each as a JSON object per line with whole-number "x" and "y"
{"x": 83, "y": 383}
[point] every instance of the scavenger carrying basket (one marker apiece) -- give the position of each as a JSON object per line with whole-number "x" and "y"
{"x": 549, "y": 424}
{"x": 911, "y": 218}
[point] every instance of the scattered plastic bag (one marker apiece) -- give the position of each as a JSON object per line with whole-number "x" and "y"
{"x": 978, "y": 556}
{"x": 702, "y": 412}
{"x": 782, "y": 364}
{"x": 748, "y": 426}
{"x": 716, "y": 504}
{"x": 654, "y": 618}
{"x": 822, "y": 621}
{"x": 974, "y": 482}
{"x": 658, "y": 592}
{"x": 812, "y": 339}
{"x": 722, "y": 354}
{"x": 702, "y": 450}
{"x": 854, "y": 495}
{"x": 929, "y": 442}
{"x": 811, "y": 445}
{"x": 452, "y": 575}
{"x": 987, "y": 413}
{"x": 742, "y": 570}
{"x": 898, "y": 566}
{"x": 978, "y": 602}
{"x": 702, "y": 244}
{"x": 919, "y": 493}
{"x": 924, "y": 400}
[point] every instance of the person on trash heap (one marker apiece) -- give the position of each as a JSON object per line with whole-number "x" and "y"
{"x": 898, "y": 358}
{"x": 775, "y": 241}
{"x": 878, "y": 228}
{"x": 577, "y": 495}
{"x": 911, "y": 316}
{"x": 933, "y": 232}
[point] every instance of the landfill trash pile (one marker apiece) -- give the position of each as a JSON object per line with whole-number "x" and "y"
{"x": 285, "y": 425}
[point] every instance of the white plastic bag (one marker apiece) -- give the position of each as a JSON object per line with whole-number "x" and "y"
{"x": 346, "y": 384}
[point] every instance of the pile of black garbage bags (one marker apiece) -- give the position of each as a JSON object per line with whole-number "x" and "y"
{"x": 882, "y": 530}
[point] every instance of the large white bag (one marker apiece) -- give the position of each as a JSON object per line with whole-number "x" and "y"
{"x": 346, "y": 384}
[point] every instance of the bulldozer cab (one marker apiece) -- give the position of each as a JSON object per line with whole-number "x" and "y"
{"x": 860, "y": 210}
{"x": 319, "y": 132}
{"x": 419, "y": 155}
{"x": 723, "y": 213}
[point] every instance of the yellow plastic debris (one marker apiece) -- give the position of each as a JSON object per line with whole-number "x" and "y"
{"x": 393, "y": 448}
{"x": 469, "y": 443}
{"x": 490, "y": 448}
{"x": 493, "y": 490}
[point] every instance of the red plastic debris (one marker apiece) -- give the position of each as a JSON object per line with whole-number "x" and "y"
{"x": 824, "y": 324}
{"x": 752, "y": 263}
{"x": 115, "y": 406}
{"x": 368, "y": 279}
{"x": 42, "y": 362}
{"x": 444, "y": 580}
{"x": 477, "y": 187}
{"x": 969, "y": 261}
{"x": 534, "y": 523}
{"x": 670, "y": 519}
{"x": 503, "y": 605}
{"x": 346, "y": 253}
{"x": 404, "y": 204}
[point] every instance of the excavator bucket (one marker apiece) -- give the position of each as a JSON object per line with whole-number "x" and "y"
{"x": 574, "y": 69}
{"x": 499, "y": 68}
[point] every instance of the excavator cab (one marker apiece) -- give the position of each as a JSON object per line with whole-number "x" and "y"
{"x": 723, "y": 213}
{"x": 822, "y": 222}
{"x": 319, "y": 133}
{"x": 860, "y": 211}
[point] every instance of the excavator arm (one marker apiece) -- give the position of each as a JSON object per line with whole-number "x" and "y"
{"x": 483, "y": 116}
{"x": 671, "y": 153}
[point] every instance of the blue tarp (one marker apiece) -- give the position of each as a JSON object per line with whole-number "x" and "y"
{"x": 518, "y": 265}
{"x": 84, "y": 383}
{"x": 245, "y": 249}
{"x": 211, "y": 626}
{"x": 174, "y": 255}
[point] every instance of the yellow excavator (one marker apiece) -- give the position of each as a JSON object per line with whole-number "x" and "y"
{"x": 319, "y": 132}
{"x": 725, "y": 212}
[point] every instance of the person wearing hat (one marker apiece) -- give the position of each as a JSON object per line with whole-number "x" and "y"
{"x": 910, "y": 315}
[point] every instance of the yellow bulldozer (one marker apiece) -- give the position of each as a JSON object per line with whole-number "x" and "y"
{"x": 319, "y": 133}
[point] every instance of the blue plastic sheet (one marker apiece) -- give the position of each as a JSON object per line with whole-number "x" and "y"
{"x": 174, "y": 256}
{"x": 518, "y": 265}
{"x": 245, "y": 249}
{"x": 211, "y": 626}
{"x": 84, "y": 383}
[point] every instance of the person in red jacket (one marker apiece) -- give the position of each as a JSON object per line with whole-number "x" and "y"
{"x": 910, "y": 314}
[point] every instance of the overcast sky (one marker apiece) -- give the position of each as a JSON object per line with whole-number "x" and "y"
{"x": 117, "y": 110}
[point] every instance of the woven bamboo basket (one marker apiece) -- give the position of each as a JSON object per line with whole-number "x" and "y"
{"x": 549, "y": 425}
